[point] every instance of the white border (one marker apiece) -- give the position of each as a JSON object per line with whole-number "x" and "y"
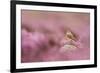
{"x": 20, "y": 65}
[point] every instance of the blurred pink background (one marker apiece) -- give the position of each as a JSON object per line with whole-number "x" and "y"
{"x": 43, "y": 35}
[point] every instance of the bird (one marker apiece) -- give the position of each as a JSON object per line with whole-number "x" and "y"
{"x": 70, "y": 36}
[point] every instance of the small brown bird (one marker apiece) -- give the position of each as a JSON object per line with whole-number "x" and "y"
{"x": 70, "y": 36}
